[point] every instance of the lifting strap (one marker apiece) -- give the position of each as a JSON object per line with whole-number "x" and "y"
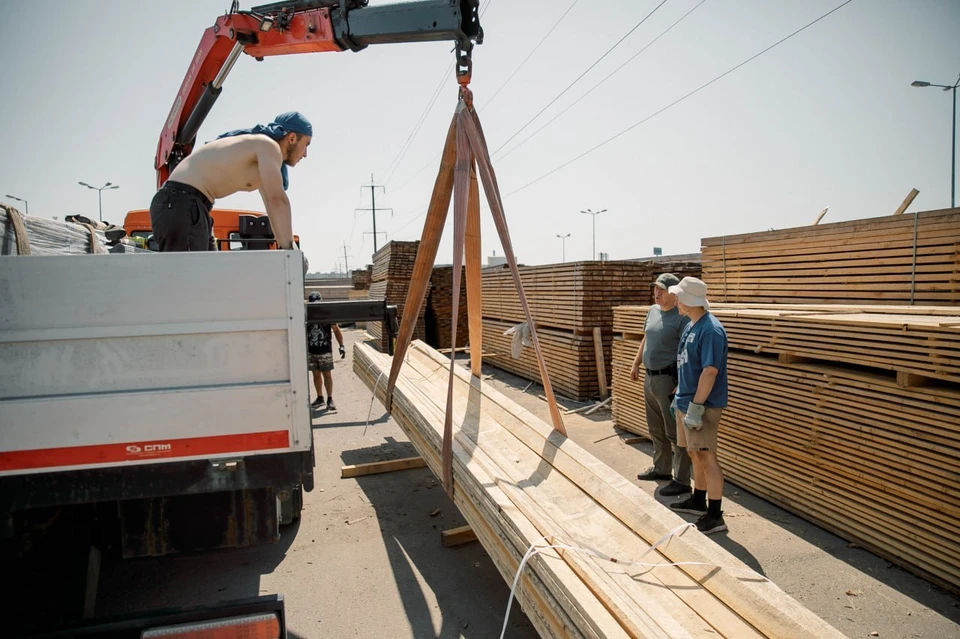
{"x": 19, "y": 229}
{"x": 464, "y": 152}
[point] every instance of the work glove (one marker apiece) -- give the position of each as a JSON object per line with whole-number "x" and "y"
{"x": 343, "y": 352}
{"x": 694, "y": 417}
{"x": 673, "y": 407}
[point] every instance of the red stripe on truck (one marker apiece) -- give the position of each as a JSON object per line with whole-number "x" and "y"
{"x": 133, "y": 451}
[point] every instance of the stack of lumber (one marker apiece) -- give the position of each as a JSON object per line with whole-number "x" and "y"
{"x": 439, "y": 317}
{"x": 570, "y": 358}
{"x": 900, "y": 259}
{"x": 848, "y": 416}
{"x": 362, "y": 278}
{"x": 518, "y": 482}
{"x": 568, "y": 301}
{"x": 332, "y": 289}
{"x": 392, "y": 271}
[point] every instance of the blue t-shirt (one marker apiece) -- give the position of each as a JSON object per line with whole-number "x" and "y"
{"x": 702, "y": 344}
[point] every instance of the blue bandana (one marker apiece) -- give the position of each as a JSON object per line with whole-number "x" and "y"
{"x": 289, "y": 122}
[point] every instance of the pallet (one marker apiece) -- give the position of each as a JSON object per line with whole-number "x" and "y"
{"x": 517, "y": 480}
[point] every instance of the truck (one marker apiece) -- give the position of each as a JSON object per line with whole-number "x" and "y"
{"x": 158, "y": 403}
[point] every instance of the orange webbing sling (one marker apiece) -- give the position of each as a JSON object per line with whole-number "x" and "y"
{"x": 464, "y": 151}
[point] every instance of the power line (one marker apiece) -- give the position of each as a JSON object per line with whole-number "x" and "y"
{"x": 395, "y": 163}
{"x": 676, "y": 102}
{"x": 529, "y": 55}
{"x": 597, "y": 85}
{"x": 570, "y": 86}
{"x": 497, "y": 92}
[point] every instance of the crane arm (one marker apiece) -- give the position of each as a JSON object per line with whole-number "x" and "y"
{"x": 303, "y": 26}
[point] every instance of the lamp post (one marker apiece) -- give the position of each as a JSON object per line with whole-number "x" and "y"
{"x": 106, "y": 187}
{"x": 594, "y": 214}
{"x": 953, "y": 146}
{"x": 25, "y": 203}
{"x": 563, "y": 241}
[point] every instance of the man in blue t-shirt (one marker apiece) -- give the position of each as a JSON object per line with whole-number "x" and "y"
{"x": 700, "y": 400}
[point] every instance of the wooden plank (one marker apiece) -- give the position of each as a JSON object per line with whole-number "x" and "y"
{"x": 527, "y": 481}
{"x": 457, "y": 536}
{"x": 601, "y": 365}
{"x": 374, "y": 468}
{"x": 907, "y": 201}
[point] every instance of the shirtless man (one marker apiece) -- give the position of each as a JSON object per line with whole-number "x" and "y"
{"x": 242, "y": 160}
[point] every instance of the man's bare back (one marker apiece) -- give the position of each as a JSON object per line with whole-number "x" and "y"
{"x": 227, "y": 165}
{"x": 241, "y": 160}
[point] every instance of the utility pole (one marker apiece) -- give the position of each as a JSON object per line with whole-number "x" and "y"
{"x": 563, "y": 240}
{"x": 108, "y": 186}
{"x": 373, "y": 207}
{"x": 346, "y": 264}
{"x": 594, "y": 214}
{"x": 25, "y": 203}
{"x": 953, "y": 146}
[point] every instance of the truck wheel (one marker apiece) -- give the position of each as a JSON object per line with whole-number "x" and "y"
{"x": 291, "y": 506}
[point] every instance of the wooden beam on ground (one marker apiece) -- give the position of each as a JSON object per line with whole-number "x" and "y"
{"x": 457, "y": 536}
{"x": 598, "y": 406}
{"x": 375, "y": 468}
{"x": 907, "y": 201}
{"x": 598, "y": 353}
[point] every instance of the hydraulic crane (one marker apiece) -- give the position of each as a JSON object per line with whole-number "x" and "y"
{"x": 304, "y": 26}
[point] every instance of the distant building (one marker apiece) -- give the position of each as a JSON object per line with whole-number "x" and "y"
{"x": 496, "y": 260}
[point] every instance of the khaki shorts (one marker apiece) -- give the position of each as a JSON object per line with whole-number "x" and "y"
{"x": 704, "y": 439}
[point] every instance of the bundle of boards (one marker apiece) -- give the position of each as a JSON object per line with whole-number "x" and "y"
{"x": 518, "y": 482}
{"x": 846, "y": 415}
{"x": 439, "y": 318}
{"x": 392, "y": 271}
{"x": 897, "y": 259}
{"x": 569, "y": 302}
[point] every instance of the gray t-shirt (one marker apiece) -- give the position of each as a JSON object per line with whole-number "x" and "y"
{"x": 663, "y": 330}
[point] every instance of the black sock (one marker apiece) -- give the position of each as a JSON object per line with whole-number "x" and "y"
{"x": 700, "y": 497}
{"x": 714, "y": 508}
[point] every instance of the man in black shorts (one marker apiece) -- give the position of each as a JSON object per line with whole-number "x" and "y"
{"x": 320, "y": 356}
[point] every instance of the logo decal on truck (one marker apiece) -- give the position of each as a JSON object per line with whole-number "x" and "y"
{"x": 149, "y": 450}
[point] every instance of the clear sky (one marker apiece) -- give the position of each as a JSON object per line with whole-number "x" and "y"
{"x": 828, "y": 118}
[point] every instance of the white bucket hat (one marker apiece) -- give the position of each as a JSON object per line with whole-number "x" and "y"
{"x": 691, "y": 292}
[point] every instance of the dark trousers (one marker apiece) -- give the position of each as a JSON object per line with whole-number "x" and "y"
{"x": 180, "y": 219}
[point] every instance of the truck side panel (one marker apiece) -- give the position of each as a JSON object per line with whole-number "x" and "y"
{"x": 146, "y": 358}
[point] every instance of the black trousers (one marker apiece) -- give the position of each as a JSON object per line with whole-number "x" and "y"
{"x": 180, "y": 219}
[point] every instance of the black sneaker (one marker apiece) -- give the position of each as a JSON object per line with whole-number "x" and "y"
{"x": 330, "y": 404}
{"x": 709, "y": 525}
{"x": 317, "y": 403}
{"x": 688, "y": 506}
{"x": 675, "y": 488}
{"x": 652, "y": 474}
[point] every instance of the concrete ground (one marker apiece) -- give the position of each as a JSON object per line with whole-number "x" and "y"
{"x": 365, "y": 560}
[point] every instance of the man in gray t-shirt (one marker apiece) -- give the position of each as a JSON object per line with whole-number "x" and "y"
{"x": 658, "y": 354}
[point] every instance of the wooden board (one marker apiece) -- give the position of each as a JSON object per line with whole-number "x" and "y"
{"x": 847, "y": 447}
{"x": 517, "y": 481}
{"x": 375, "y": 468}
{"x": 898, "y": 259}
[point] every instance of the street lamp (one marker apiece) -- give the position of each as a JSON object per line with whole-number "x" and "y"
{"x": 563, "y": 240}
{"x": 953, "y": 147}
{"x": 594, "y": 214}
{"x": 106, "y": 187}
{"x": 25, "y": 203}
